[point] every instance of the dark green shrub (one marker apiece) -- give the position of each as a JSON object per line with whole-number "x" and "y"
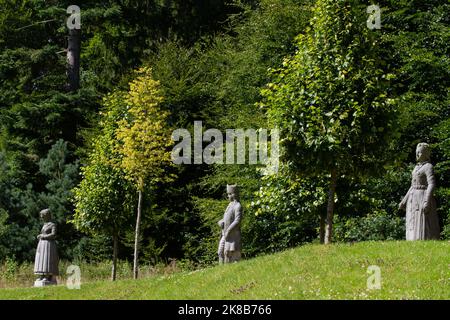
{"x": 378, "y": 226}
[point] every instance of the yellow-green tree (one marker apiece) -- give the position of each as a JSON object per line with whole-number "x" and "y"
{"x": 143, "y": 142}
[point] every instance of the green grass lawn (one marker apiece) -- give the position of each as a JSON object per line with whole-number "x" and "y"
{"x": 409, "y": 270}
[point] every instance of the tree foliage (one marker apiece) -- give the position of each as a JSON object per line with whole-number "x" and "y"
{"x": 143, "y": 141}
{"x": 104, "y": 198}
{"x": 143, "y": 135}
{"x": 35, "y": 108}
{"x": 330, "y": 99}
{"x": 334, "y": 87}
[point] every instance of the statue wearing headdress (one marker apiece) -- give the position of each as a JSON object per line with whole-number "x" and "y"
{"x": 421, "y": 217}
{"x": 230, "y": 242}
{"x": 47, "y": 260}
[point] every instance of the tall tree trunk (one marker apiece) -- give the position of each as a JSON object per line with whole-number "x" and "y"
{"x": 322, "y": 228}
{"x": 115, "y": 246}
{"x": 136, "y": 237}
{"x": 73, "y": 59}
{"x": 330, "y": 207}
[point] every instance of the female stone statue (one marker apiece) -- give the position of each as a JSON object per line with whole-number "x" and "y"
{"x": 230, "y": 243}
{"x": 421, "y": 218}
{"x": 46, "y": 261}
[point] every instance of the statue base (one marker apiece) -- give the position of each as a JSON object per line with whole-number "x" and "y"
{"x": 44, "y": 283}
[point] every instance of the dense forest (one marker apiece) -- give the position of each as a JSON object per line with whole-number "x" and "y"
{"x": 87, "y": 153}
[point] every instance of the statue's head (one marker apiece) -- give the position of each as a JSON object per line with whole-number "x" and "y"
{"x": 45, "y": 215}
{"x": 232, "y": 192}
{"x": 423, "y": 152}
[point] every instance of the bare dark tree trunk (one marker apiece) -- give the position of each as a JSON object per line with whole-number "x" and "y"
{"x": 115, "y": 247}
{"x": 322, "y": 228}
{"x": 73, "y": 59}
{"x": 330, "y": 207}
{"x": 136, "y": 237}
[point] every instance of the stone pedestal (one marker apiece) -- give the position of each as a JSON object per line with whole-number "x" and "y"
{"x": 44, "y": 283}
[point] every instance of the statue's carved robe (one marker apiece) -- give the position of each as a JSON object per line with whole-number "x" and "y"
{"x": 421, "y": 224}
{"x": 46, "y": 261}
{"x": 230, "y": 247}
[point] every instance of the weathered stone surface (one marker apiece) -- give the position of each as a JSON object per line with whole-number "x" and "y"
{"x": 230, "y": 242}
{"x": 422, "y": 221}
{"x": 46, "y": 261}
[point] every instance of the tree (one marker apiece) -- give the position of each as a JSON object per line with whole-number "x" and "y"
{"x": 286, "y": 210}
{"x": 36, "y": 107}
{"x": 103, "y": 200}
{"x": 59, "y": 172}
{"x": 218, "y": 81}
{"x": 143, "y": 139}
{"x": 330, "y": 99}
{"x": 61, "y": 175}
{"x": 415, "y": 45}
{"x": 3, "y": 231}
{"x": 73, "y": 59}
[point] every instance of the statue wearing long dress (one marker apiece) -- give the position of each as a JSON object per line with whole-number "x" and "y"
{"x": 422, "y": 221}
{"x": 47, "y": 260}
{"x": 230, "y": 242}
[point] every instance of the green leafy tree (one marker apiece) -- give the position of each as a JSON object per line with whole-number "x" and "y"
{"x": 415, "y": 46}
{"x": 330, "y": 99}
{"x": 218, "y": 81}
{"x": 103, "y": 200}
{"x": 286, "y": 209}
{"x": 36, "y": 109}
{"x": 143, "y": 141}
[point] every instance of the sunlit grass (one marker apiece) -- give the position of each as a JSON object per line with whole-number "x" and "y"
{"x": 409, "y": 270}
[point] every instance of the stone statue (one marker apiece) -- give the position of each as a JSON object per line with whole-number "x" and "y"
{"x": 421, "y": 218}
{"x": 230, "y": 242}
{"x": 47, "y": 260}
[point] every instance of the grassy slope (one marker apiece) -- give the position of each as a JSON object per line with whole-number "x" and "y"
{"x": 409, "y": 270}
